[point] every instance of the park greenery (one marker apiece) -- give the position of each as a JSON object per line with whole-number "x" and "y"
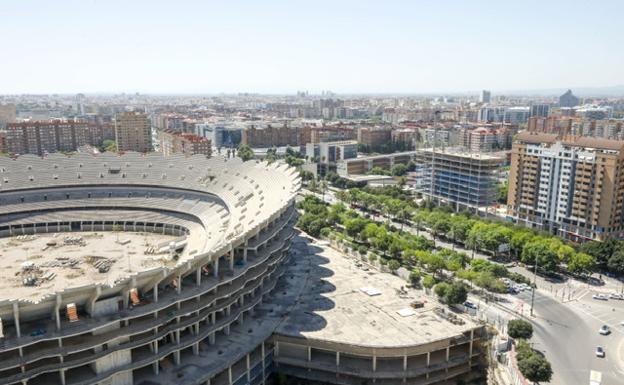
{"x": 522, "y": 244}
{"x": 429, "y": 266}
{"x": 519, "y": 329}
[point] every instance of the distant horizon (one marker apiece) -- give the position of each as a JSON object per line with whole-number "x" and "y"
{"x": 596, "y": 91}
{"x": 278, "y": 47}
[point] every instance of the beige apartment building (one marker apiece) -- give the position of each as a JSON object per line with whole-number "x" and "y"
{"x": 568, "y": 185}
{"x": 174, "y": 142}
{"x": 133, "y": 132}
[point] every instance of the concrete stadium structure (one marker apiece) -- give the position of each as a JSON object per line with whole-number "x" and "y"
{"x": 144, "y": 269}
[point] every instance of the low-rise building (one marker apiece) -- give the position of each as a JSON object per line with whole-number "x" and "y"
{"x": 174, "y": 142}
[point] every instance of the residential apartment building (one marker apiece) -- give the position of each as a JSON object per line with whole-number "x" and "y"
{"x": 464, "y": 180}
{"x": 363, "y": 164}
{"x": 274, "y": 136}
{"x": 174, "y": 142}
{"x": 485, "y": 139}
{"x": 41, "y": 137}
{"x": 568, "y": 99}
{"x": 569, "y": 185}
{"x": 374, "y": 136}
{"x": 133, "y": 132}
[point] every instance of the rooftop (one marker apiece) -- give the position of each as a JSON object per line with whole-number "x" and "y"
{"x": 332, "y": 305}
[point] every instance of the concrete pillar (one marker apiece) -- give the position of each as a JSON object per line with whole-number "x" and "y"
{"x": 448, "y": 353}
{"x": 428, "y": 359}
{"x": 276, "y": 352}
{"x": 155, "y": 290}
{"x": 155, "y": 368}
{"x": 245, "y": 251}
{"x": 227, "y": 330}
{"x": 374, "y": 362}
{"x": 198, "y": 274}
{"x": 228, "y": 310}
{"x": 262, "y": 353}
{"x": 248, "y": 368}
{"x": 176, "y": 357}
{"x": 16, "y": 318}
{"x": 211, "y": 338}
{"x": 405, "y": 363}
{"x": 230, "y": 375}
{"x": 337, "y": 359}
{"x": 216, "y": 268}
{"x": 57, "y": 311}
{"x": 196, "y": 348}
{"x": 213, "y": 318}
{"x": 241, "y": 318}
{"x": 232, "y": 259}
{"x": 179, "y": 288}
{"x": 62, "y": 375}
{"x": 471, "y": 342}
{"x": 309, "y": 353}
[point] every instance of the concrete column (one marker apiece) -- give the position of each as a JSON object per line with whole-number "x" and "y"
{"x": 428, "y": 359}
{"x": 448, "y": 353}
{"x": 216, "y": 268}
{"x": 16, "y": 318}
{"x": 176, "y": 357}
{"x": 227, "y": 330}
{"x": 262, "y": 353}
{"x": 179, "y": 288}
{"x": 230, "y": 375}
{"x": 57, "y": 311}
{"x": 245, "y": 251}
{"x": 196, "y": 348}
{"x": 62, "y": 375}
{"x": 155, "y": 290}
{"x": 241, "y": 318}
{"x": 177, "y": 336}
{"x": 228, "y": 310}
{"x": 276, "y": 352}
{"x": 309, "y": 353}
{"x": 211, "y": 338}
{"x": 232, "y": 259}
{"x": 471, "y": 342}
{"x": 374, "y": 362}
{"x": 248, "y": 368}
{"x": 213, "y": 318}
{"x": 155, "y": 368}
{"x": 198, "y": 274}
{"x": 405, "y": 363}
{"x": 337, "y": 359}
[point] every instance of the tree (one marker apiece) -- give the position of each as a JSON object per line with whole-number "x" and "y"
{"x": 435, "y": 263}
{"x": 581, "y": 263}
{"x": 428, "y": 281}
{"x": 245, "y": 152}
{"x": 109, "y": 145}
{"x": 399, "y": 170}
{"x": 414, "y": 277}
{"x": 394, "y": 265}
{"x": 354, "y": 227}
{"x": 456, "y": 293}
{"x": 535, "y": 368}
{"x": 615, "y": 263}
{"x": 539, "y": 251}
{"x": 519, "y": 328}
{"x": 441, "y": 289}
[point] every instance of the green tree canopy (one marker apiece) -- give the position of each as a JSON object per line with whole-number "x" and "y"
{"x": 519, "y": 328}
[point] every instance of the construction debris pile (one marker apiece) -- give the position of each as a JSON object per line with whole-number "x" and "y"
{"x": 74, "y": 241}
{"x": 449, "y": 316}
{"x": 102, "y": 264}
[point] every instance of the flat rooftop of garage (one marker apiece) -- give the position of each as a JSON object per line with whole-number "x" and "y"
{"x": 333, "y": 305}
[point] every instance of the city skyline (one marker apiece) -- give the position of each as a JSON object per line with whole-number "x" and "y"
{"x": 279, "y": 48}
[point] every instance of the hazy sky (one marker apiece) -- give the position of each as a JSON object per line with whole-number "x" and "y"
{"x": 282, "y": 46}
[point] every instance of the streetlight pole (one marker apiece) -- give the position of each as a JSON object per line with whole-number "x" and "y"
{"x": 534, "y": 286}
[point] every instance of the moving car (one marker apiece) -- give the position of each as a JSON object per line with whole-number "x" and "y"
{"x": 600, "y": 351}
{"x": 470, "y": 305}
{"x": 601, "y": 297}
{"x": 604, "y": 330}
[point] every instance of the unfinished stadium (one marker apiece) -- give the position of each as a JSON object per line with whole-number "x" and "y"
{"x": 144, "y": 269}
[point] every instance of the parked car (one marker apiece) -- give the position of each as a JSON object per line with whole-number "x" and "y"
{"x": 604, "y": 330}
{"x": 470, "y": 305}
{"x": 601, "y": 297}
{"x": 616, "y": 296}
{"x": 600, "y": 352}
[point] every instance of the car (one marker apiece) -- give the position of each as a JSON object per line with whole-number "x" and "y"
{"x": 600, "y": 297}
{"x": 616, "y": 296}
{"x": 600, "y": 351}
{"x": 604, "y": 330}
{"x": 470, "y": 305}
